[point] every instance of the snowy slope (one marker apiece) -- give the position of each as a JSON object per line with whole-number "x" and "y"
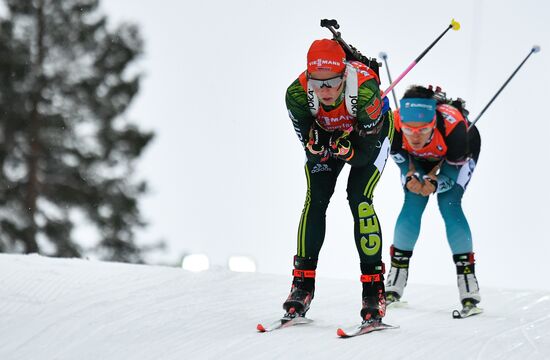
{"x": 76, "y": 309}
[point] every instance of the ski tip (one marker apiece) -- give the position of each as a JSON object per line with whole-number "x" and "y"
{"x": 340, "y": 332}
{"x": 260, "y": 328}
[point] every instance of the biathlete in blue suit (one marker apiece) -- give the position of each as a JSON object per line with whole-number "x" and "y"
{"x": 436, "y": 155}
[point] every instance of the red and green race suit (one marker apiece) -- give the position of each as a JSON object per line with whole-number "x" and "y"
{"x": 367, "y": 163}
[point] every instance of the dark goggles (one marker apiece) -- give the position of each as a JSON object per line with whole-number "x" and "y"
{"x": 328, "y": 83}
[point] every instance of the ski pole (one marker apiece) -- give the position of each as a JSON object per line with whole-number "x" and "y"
{"x": 455, "y": 25}
{"x": 384, "y": 56}
{"x": 534, "y": 49}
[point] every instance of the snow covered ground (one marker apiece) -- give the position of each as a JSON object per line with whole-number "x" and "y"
{"x": 76, "y": 309}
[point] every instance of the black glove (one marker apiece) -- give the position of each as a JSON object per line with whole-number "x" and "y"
{"x": 340, "y": 146}
{"x": 318, "y": 143}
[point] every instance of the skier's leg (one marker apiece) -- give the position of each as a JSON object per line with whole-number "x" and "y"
{"x": 398, "y": 274}
{"x": 367, "y": 231}
{"x": 407, "y": 226}
{"x": 459, "y": 236}
{"x": 321, "y": 180}
{"x": 468, "y": 287}
{"x": 303, "y": 286}
{"x": 458, "y": 231}
{"x": 407, "y": 229}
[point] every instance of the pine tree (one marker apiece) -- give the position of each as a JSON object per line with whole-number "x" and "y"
{"x": 65, "y": 148}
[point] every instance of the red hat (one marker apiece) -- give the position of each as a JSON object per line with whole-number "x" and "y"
{"x": 326, "y": 55}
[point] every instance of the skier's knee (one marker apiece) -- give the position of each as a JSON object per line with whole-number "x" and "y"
{"x": 320, "y": 201}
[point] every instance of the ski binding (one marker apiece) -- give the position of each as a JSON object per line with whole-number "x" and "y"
{"x": 468, "y": 309}
{"x": 366, "y": 327}
{"x": 288, "y": 320}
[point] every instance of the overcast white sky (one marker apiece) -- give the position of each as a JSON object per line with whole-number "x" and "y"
{"x": 226, "y": 168}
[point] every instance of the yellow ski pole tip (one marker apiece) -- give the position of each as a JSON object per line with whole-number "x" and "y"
{"x": 455, "y": 25}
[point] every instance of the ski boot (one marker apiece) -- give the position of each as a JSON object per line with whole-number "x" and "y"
{"x": 468, "y": 286}
{"x": 374, "y": 300}
{"x": 398, "y": 275}
{"x": 303, "y": 287}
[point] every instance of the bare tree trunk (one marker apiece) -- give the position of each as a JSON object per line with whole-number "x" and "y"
{"x": 33, "y": 184}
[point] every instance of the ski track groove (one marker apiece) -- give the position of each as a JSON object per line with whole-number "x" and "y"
{"x": 52, "y": 309}
{"x": 486, "y": 353}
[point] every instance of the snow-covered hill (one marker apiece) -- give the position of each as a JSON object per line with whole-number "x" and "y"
{"x": 75, "y": 309}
